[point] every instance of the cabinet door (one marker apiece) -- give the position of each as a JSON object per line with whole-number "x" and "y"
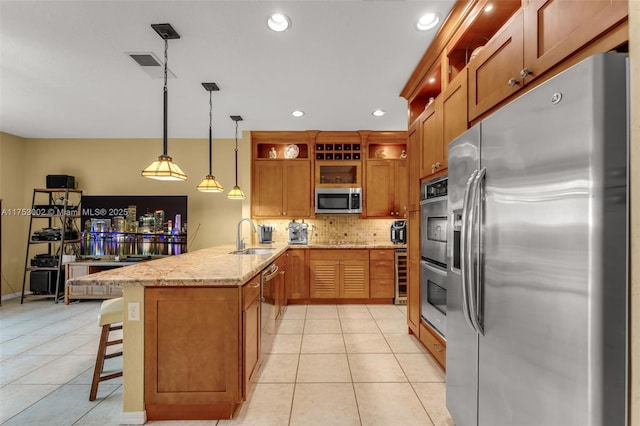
{"x": 431, "y": 132}
{"x": 454, "y": 111}
{"x": 379, "y": 188}
{"x": 251, "y": 344}
{"x": 324, "y": 279}
{"x": 297, "y": 189}
{"x": 192, "y": 351}
{"x": 554, "y": 29}
{"x": 267, "y": 195}
{"x": 400, "y": 188}
{"x": 381, "y": 283}
{"x": 414, "y": 156}
{"x": 413, "y": 278}
{"x": 297, "y": 276}
{"x": 354, "y": 279}
{"x": 494, "y": 74}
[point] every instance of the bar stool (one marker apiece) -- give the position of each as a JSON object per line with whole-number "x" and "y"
{"x": 110, "y": 314}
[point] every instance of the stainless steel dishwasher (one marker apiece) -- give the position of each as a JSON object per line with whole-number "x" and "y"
{"x": 268, "y": 316}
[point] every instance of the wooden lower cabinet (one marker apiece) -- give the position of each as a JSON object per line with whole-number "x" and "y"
{"x": 297, "y": 276}
{"x": 202, "y": 347}
{"x": 413, "y": 274}
{"x": 434, "y": 344}
{"x": 382, "y": 273}
{"x": 339, "y": 274}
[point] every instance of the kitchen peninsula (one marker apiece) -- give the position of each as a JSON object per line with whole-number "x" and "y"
{"x": 192, "y": 321}
{"x": 190, "y": 324}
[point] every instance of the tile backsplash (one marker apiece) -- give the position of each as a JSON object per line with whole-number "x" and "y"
{"x": 334, "y": 229}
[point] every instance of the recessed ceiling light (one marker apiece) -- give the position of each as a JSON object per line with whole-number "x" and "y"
{"x": 489, "y": 7}
{"x": 297, "y": 113}
{"x": 428, "y": 21}
{"x": 378, "y": 113}
{"x": 278, "y": 22}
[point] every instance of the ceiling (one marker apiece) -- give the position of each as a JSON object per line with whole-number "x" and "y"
{"x": 65, "y": 71}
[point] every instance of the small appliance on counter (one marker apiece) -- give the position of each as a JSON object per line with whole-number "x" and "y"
{"x": 399, "y": 232}
{"x": 298, "y": 232}
{"x": 265, "y": 234}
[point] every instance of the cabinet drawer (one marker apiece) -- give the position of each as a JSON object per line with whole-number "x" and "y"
{"x": 381, "y": 287}
{"x": 435, "y": 346}
{"x": 250, "y": 291}
{"x": 381, "y": 254}
{"x": 339, "y": 254}
{"x": 381, "y": 269}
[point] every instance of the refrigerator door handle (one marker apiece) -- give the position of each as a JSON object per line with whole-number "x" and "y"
{"x": 464, "y": 246}
{"x": 474, "y": 279}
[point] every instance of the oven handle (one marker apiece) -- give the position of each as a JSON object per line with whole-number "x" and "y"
{"x": 474, "y": 278}
{"x": 464, "y": 243}
{"x": 269, "y": 275}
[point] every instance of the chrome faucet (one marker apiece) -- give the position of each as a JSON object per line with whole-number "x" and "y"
{"x": 240, "y": 241}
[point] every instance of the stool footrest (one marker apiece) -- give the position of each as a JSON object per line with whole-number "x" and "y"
{"x": 110, "y": 376}
{"x": 114, "y": 342}
{"x": 113, "y": 355}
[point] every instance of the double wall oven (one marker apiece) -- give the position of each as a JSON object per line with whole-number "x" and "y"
{"x": 433, "y": 251}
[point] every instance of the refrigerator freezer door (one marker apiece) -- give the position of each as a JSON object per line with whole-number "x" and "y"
{"x": 553, "y": 168}
{"x": 462, "y": 341}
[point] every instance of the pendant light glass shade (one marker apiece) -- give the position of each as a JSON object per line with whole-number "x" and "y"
{"x": 165, "y": 168}
{"x": 236, "y": 193}
{"x": 209, "y": 183}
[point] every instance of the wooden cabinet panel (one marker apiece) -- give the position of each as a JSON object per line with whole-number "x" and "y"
{"x": 267, "y": 194}
{"x": 434, "y": 344}
{"x": 324, "y": 279}
{"x": 379, "y": 188}
{"x": 381, "y": 274}
{"x": 251, "y": 347}
{"x": 192, "y": 351}
{"x": 354, "y": 279}
{"x": 454, "y": 111}
{"x": 413, "y": 274}
{"x": 297, "y": 277}
{"x": 297, "y": 190}
{"x": 494, "y": 74}
{"x": 431, "y": 134}
{"x": 281, "y": 188}
{"x": 401, "y": 188}
{"x": 554, "y": 29}
{"x": 414, "y": 156}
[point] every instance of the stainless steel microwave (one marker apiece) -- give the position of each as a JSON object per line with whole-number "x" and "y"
{"x": 338, "y": 200}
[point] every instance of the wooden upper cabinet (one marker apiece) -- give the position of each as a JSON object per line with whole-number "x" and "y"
{"x": 415, "y": 154}
{"x": 555, "y": 29}
{"x": 494, "y": 73}
{"x": 281, "y": 188}
{"x": 432, "y": 159}
{"x": 386, "y": 188}
{"x": 454, "y": 111}
{"x": 297, "y": 190}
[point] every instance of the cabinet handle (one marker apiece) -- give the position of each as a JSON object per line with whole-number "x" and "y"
{"x": 524, "y": 73}
{"x": 513, "y": 82}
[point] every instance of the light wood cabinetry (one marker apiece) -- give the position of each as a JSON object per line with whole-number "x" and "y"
{"x": 386, "y": 188}
{"x": 297, "y": 276}
{"x": 381, "y": 273}
{"x": 281, "y": 182}
{"x": 434, "y": 344}
{"x": 251, "y": 332}
{"x": 432, "y": 148}
{"x": 338, "y": 274}
{"x": 413, "y": 280}
{"x": 414, "y": 157}
{"x": 192, "y": 351}
{"x": 281, "y": 189}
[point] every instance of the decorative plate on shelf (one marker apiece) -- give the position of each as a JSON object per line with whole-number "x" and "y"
{"x": 291, "y": 151}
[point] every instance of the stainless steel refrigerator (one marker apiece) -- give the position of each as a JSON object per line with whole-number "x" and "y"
{"x": 538, "y": 256}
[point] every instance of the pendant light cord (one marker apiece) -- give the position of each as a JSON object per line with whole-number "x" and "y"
{"x": 210, "y": 134}
{"x": 236, "y": 153}
{"x": 165, "y": 143}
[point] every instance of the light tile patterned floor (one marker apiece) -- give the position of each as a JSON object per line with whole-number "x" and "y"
{"x": 329, "y": 365}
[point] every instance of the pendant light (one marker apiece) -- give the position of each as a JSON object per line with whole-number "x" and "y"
{"x": 164, "y": 168}
{"x": 236, "y": 193}
{"x": 209, "y": 183}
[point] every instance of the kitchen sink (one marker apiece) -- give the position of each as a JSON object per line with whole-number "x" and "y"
{"x": 254, "y": 251}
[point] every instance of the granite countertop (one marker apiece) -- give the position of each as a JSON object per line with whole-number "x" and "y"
{"x": 214, "y": 266}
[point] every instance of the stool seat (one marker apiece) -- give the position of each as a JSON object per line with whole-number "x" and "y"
{"x": 110, "y": 311}
{"x": 110, "y": 319}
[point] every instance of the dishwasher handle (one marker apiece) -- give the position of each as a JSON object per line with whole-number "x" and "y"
{"x": 270, "y": 273}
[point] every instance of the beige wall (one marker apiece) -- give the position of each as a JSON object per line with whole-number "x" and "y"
{"x": 634, "y": 44}
{"x": 14, "y": 227}
{"x": 112, "y": 167}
